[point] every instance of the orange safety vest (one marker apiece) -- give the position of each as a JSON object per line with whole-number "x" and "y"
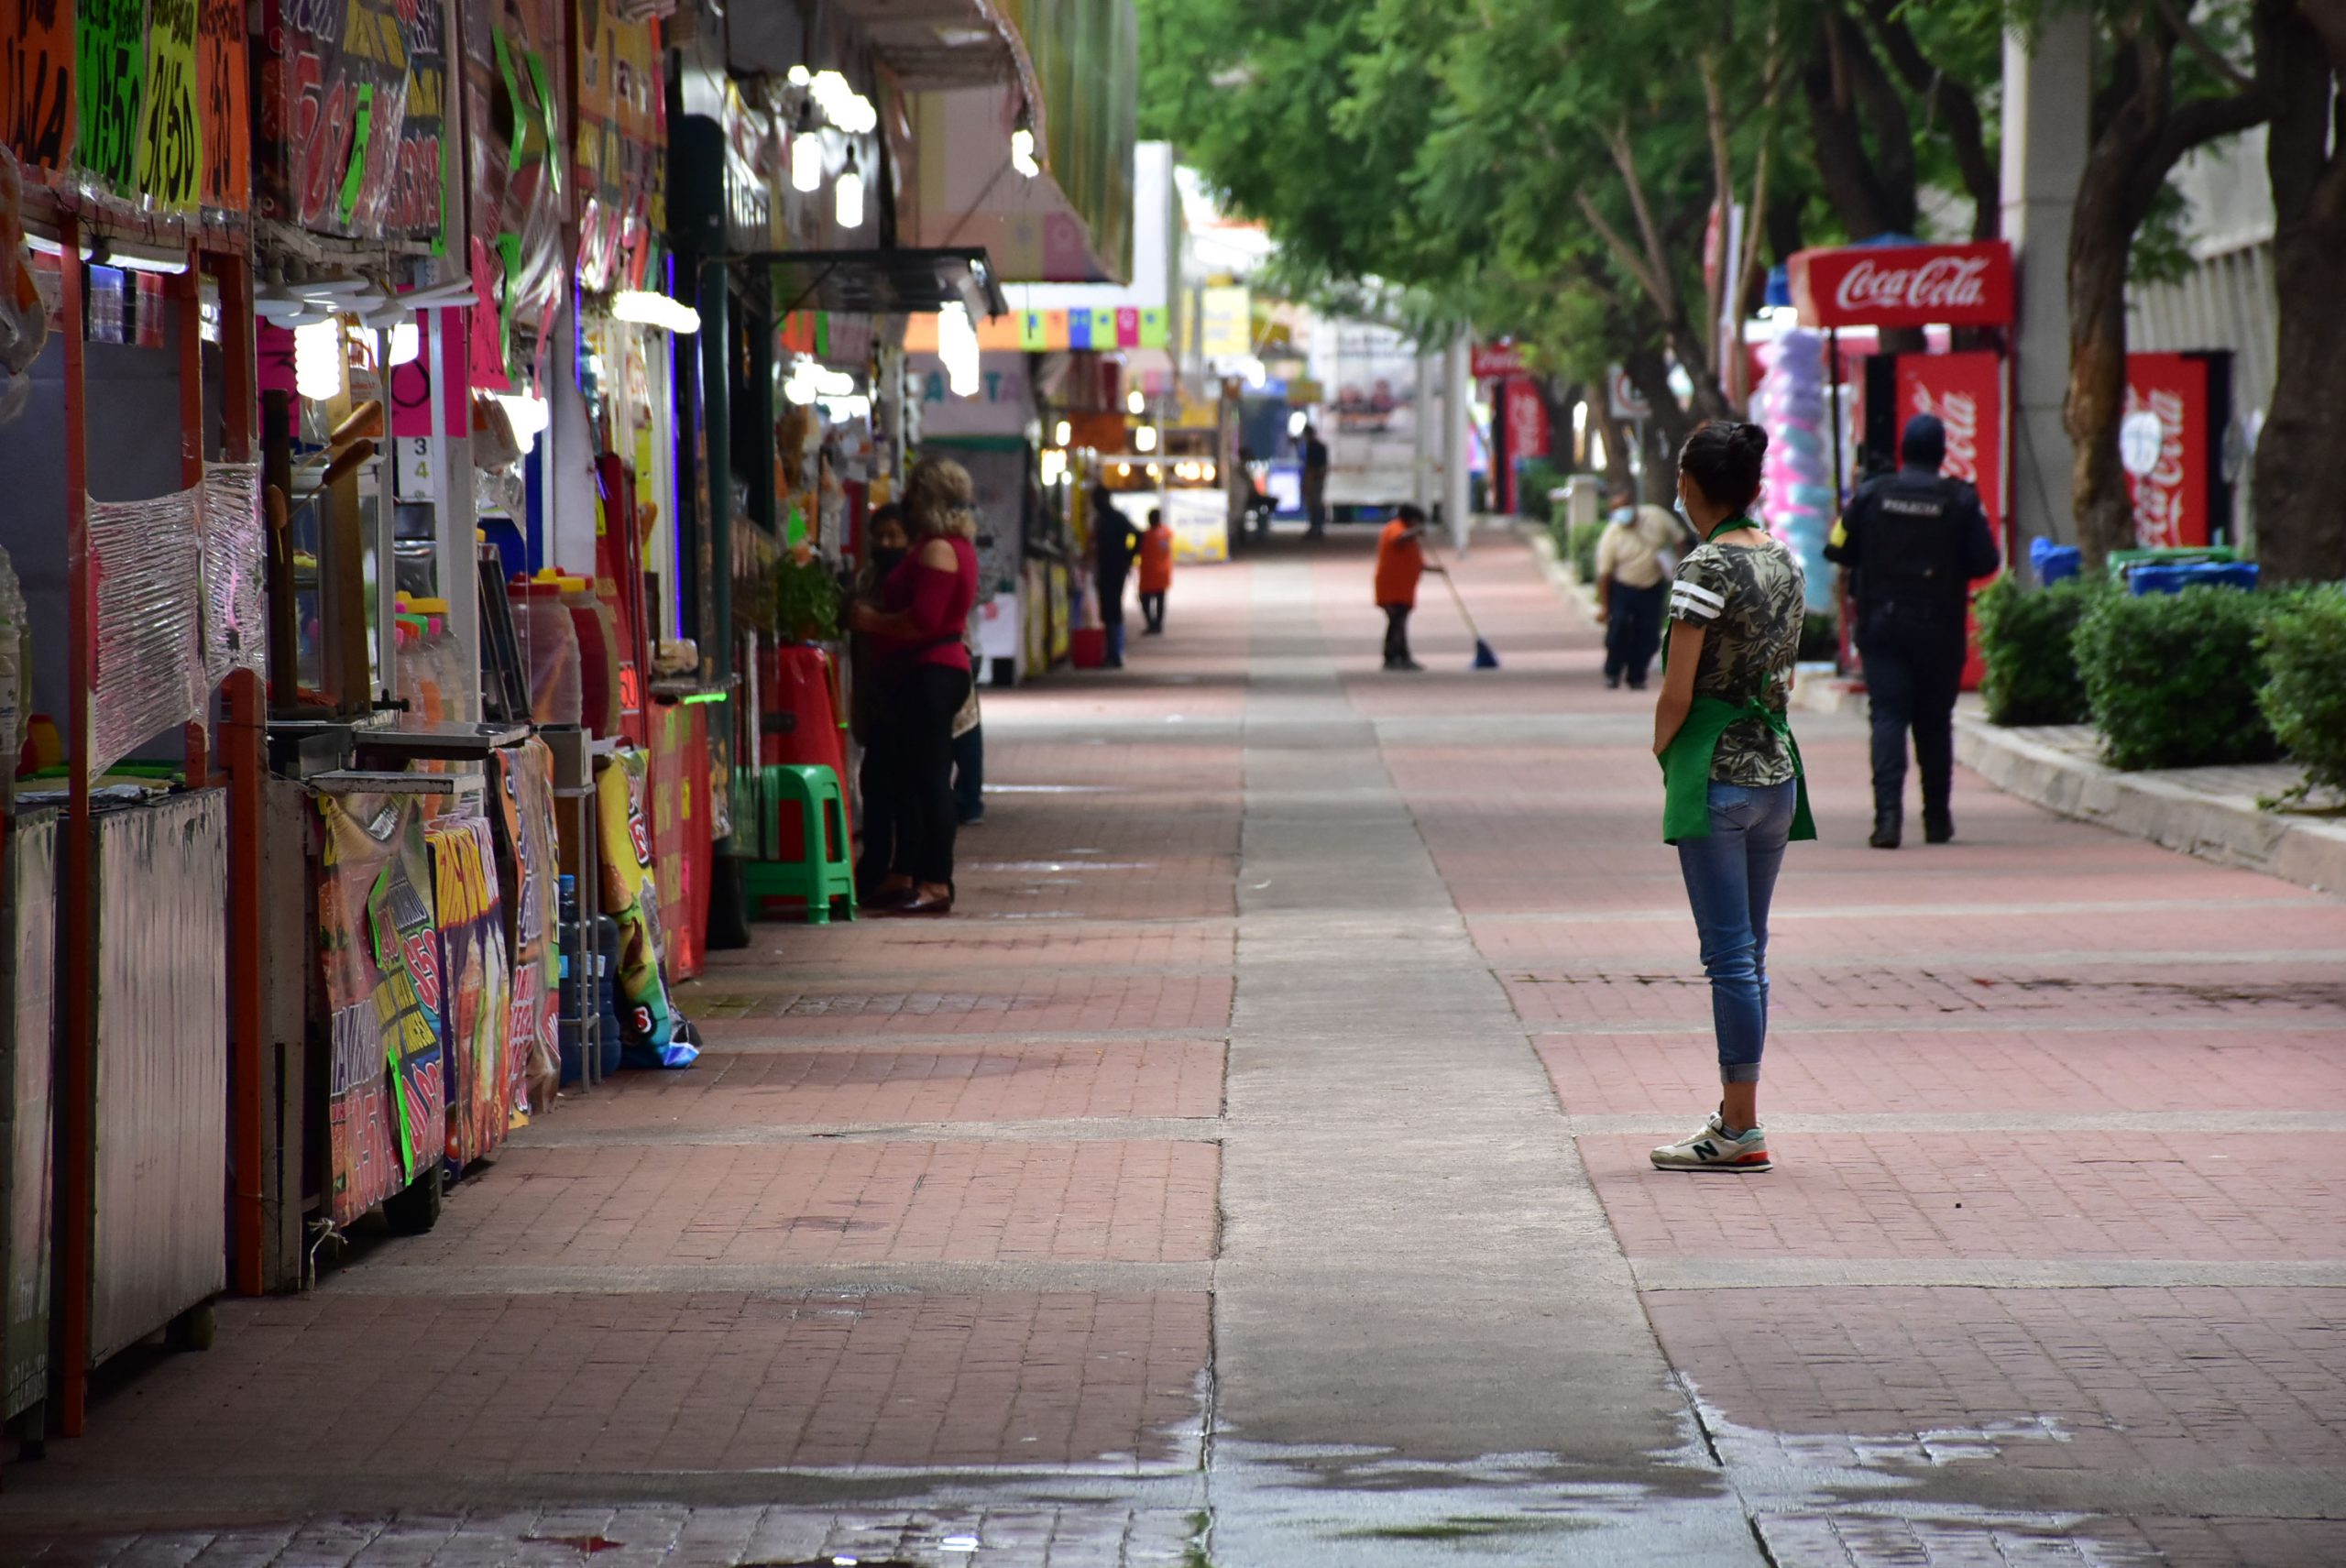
{"x": 1155, "y": 560}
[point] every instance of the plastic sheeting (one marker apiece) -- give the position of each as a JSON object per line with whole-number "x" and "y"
{"x": 234, "y": 567}
{"x": 31, "y": 1094}
{"x": 160, "y": 1227}
{"x": 147, "y": 559}
{"x": 525, "y": 787}
{"x": 181, "y": 601}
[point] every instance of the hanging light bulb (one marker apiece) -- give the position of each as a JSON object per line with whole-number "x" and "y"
{"x": 1136, "y": 401}
{"x": 1022, "y": 153}
{"x": 956, "y": 345}
{"x": 317, "y": 359}
{"x": 1144, "y": 438}
{"x": 1064, "y": 433}
{"x": 850, "y": 194}
{"x": 806, "y": 154}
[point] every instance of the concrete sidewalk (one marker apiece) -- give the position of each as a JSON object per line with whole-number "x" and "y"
{"x": 1254, "y": 1175}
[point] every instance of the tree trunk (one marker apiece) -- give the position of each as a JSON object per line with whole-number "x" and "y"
{"x": 1648, "y": 372}
{"x": 2141, "y": 133}
{"x": 2300, "y": 474}
{"x": 2099, "y": 239}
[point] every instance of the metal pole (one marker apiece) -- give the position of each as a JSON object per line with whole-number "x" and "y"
{"x": 77, "y": 1070}
{"x": 1457, "y": 416}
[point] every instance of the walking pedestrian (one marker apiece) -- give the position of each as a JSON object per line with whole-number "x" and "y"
{"x": 918, "y": 625}
{"x": 1314, "y": 452}
{"x": 1400, "y": 562}
{"x": 1114, "y": 540}
{"x": 871, "y": 706}
{"x": 1734, "y": 794}
{"x": 1155, "y": 572}
{"x": 1634, "y": 557}
{"x": 1914, "y": 541}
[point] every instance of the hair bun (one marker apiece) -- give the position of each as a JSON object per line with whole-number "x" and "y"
{"x": 1753, "y": 438}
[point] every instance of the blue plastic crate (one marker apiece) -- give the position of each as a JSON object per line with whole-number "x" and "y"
{"x": 2054, "y": 561}
{"x": 2174, "y": 578}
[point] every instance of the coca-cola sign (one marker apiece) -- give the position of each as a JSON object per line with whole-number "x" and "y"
{"x": 2172, "y": 504}
{"x": 1905, "y": 285}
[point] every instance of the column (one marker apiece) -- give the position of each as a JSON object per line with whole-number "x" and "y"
{"x": 2047, "y": 92}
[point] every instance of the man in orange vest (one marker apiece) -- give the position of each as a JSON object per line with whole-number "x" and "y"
{"x": 1155, "y": 572}
{"x": 1401, "y": 562}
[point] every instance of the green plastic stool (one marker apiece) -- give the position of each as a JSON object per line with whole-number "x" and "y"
{"x": 821, "y": 872}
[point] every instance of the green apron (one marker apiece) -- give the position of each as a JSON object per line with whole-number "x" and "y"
{"x": 1686, "y": 761}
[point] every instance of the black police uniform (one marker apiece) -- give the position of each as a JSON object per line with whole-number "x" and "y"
{"x": 1915, "y": 542}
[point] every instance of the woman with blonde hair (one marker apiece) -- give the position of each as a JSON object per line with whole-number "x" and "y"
{"x": 917, "y": 624}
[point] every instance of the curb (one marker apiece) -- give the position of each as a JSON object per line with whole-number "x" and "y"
{"x": 2229, "y": 830}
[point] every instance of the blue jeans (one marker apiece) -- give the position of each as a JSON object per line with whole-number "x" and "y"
{"x": 1730, "y": 877}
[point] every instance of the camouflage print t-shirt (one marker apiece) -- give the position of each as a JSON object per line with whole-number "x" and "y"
{"x": 1748, "y": 599}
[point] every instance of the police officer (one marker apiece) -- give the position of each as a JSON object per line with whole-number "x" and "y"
{"x": 1913, "y": 543}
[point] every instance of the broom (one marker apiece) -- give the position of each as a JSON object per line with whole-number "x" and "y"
{"x": 1484, "y": 657}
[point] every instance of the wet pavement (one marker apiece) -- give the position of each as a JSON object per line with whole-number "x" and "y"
{"x": 1253, "y": 1175}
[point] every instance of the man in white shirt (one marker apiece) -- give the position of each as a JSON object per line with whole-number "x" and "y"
{"x": 1635, "y": 557}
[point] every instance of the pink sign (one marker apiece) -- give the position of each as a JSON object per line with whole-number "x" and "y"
{"x": 412, "y": 382}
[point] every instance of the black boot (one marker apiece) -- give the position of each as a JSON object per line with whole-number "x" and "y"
{"x": 1938, "y": 827}
{"x": 1886, "y": 826}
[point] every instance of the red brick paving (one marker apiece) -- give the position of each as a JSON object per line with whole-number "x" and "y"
{"x": 2183, "y": 1379}
{"x": 2077, "y": 1196}
{"x": 1014, "y": 1082}
{"x": 831, "y": 1201}
{"x": 2283, "y": 1066}
{"x": 547, "y": 1384}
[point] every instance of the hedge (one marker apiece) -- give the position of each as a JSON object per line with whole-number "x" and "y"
{"x": 1578, "y": 542}
{"x": 2172, "y": 679}
{"x": 2025, "y": 643}
{"x": 2303, "y": 641}
{"x": 1533, "y": 481}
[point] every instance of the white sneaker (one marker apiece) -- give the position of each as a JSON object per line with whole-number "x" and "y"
{"x": 1712, "y": 1149}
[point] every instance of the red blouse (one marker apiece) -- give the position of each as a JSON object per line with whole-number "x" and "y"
{"x": 938, "y": 603}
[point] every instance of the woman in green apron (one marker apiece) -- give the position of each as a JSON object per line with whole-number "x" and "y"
{"x": 1733, "y": 794}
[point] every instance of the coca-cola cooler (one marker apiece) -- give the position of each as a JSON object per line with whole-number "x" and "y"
{"x": 1949, "y": 287}
{"x": 2179, "y": 408}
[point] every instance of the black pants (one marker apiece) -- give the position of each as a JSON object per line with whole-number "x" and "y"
{"x": 1632, "y": 630}
{"x": 1152, "y": 606}
{"x": 876, "y": 815}
{"x": 970, "y": 773}
{"x": 1912, "y": 677}
{"x": 913, "y": 751}
{"x": 1396, "y": 633}
{"x": 1111, "y": 585}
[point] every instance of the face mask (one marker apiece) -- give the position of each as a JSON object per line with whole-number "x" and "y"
{"x": 888, "y": 559}
{"x": 1624, "y": 514}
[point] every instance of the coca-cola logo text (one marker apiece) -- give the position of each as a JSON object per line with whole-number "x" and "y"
{"x": 1944, "y": 282}
{"x": 2160, "y": 495}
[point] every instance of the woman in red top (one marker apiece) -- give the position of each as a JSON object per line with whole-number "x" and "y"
{"x": 916, "y": 626}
